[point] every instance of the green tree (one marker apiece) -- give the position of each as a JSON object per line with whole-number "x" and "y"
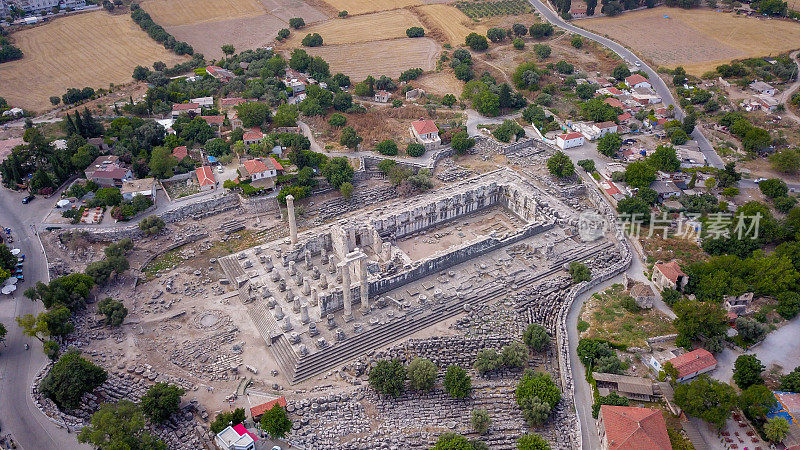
{"x": 461, "y": 142}
{"x": 3, "y": 332}
{"x": 480, "y": 420}
{"x": 448, "y": 100}
{"x": 253, "y": 114}
{"x": 337, "y": 171}
{"x": 388, "y": 377}
{"x": 415, "y": 150}
{"x": 756, "y": 401}
{"x": 476, "y": 42}
{"x": 349, "y": 138}
{"x": 514, "y": 355}
{"x": 532, "y": 442}
{"x": 786, "y": 161}
{"x": 536, "y": 337}
{"x": 560, "y": 165}
{"x": 114, "y": 311}
{"x": 452, "y": 441}
{"x": 69, "y": 378}
{"x": 791, "y": 381}
{"x": 69, "y": 290}
{"x": 496, "y": 34}
{"x": 312, "y": 40}
{"x": 161, "y": 401}
{"x": 621, "y": 72}
{"x": 276, "y": 422}
{"x": 537, "y": 395}
{"x": 162, "y": 163}
{"x": 286, "y": 116}
{"x": 228, "y": 49}
{"x": 773, "y": 188}
{"x": 487, "y": 361}
{"x": 337, "y": 120}
{"x": 457, "y": 383}
{"x": 53, "y": 323}
{"x": 297, "y": 22}
{"x": 151, "y": 225}
{"x": 422, "y": 374}
{"x": 640, "y": 174}
{"x": 664, "y": 158}
{"x": 609, "y": 144}
{"x": 542, "y": 51}
{"x": 747, "y": 371}
{"x": 119, "y": 426}
{"x": 698, "y": 320}
{"x": 387, "y": 147}
{"x": 776, "y": 428}
{"x": 540, "y": 30}
{"x": 223, "y": 420}
{"x": 579, "y": 272}
{"x": 576, "y": 41}
{"x": 414, "y": 32}
{"x": 707, "y": 399}
{"x": 346, "y": 189}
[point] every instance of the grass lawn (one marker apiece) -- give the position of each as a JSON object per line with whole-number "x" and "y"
{"x": 608, "y": 319}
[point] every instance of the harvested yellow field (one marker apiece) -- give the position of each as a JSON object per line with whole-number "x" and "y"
{"x": 390, "y": 57}
{"x": 364, "y": 28}
{"x": 93, "y": 49}
{"x": 354, "y": 7}
{"x": 181, "y": 12}
{"x": 451, "y": 22}
{"x": 697, "y": 39}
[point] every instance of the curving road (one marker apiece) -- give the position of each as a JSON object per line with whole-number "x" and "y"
{"x": 658, "y": 84}
{"x": 18, "y": 415}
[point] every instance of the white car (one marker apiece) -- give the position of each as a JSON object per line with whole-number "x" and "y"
{"x": 759, "y": 180}
{"x": 638, "y": 64}
{"x": 276, "y": 448}
{"x": 220, "y": 169}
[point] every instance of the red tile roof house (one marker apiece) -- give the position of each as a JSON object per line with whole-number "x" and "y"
{"x": 669, "y": 275}
{"x": 629, "y": 428}
{"x": 205, "y": 178}
{"x": 426, "y": 133}
{"x": 260, "y": 171}
{"x": 220, "y": 74}
{"x": 230, "y": 102}
{"x": 382, "y": 96}
{"x": 614, "y": 102}
{"x": 258, "y": 410}
{"x": 569, "y": 140}
{"x": 214, "y": 121}
{"x": 578, "y": 11}
{"x": 107, "y": 171}
{"x": 185, "y": 108}
{"x": 636, "y": 80}
{"x": 252, "y": 137}
{"x": 180, "y": 152}
{"x": 694, "y": 363}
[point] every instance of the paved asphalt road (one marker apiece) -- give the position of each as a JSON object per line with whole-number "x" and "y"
{"x": 18, "y": 415}
{"x": 658, "y": 84}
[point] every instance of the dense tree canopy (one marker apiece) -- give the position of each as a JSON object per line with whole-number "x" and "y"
{"x": 119, "y": 426}
{"x": 69, "y": 378}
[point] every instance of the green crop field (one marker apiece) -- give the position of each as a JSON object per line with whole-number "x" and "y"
{"x": 479, "y": 9}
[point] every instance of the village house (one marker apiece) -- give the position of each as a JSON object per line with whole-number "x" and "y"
{"x": 261, "y": 172}
{"x": 631, "y": 428}
{"x": 108, "y": 171}
{"x": 101, "y": 144}
{"x": 637, "y": 81}
{"x": 204, "y": 102}
{"x": 414, "y": 94}
{"x": 610, "y": 91}
{"x": 223, "y": 75}
{"x": 193, "y": 109}
{"x": 669, "y": 275}
{"x": 214, "y": 122}
{"x": 614, "y": 102}
{"x": 426, "y": 133}
{"x": 569, "y": 140}
{"x": 205, "y": 178}
{"x": 692, "y": 364}
{"x": 180, "y": 152}
{"x": 634, "y": 388}
{"x": 643, "y": 295}
{"x": 231, "y": 102}
{"x": 252, "y": 136}
{"x": 382, "y": 96}
{"x": 235, "y": 438}
{"x": 624, "y": 118}
{"x": 665, "y": 189}
{"x": 604, "y": 128}
{"x": 144, "y": 186}
{"x": 578, "y": 11}
{"x": 737, "y": 304}
{"x": 762, "y": 88}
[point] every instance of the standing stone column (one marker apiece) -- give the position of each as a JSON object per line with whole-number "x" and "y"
{"x": 346, "y": 292}
{"x": 364, "y": 288}
{"x": 292, "y": 220}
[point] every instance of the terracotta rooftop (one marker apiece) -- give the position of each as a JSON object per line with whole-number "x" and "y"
{"x": 671, "y": 270}
{"x": 232, "y": 101}
{"x": 217, "y": 120}
{"x": 635, "y": 79}
{"x": 252, "y": 135}
{"x": 258, "y": 410}
{"x": 255, "y": 166}
{"x": 614, "y": 102}
{"x": 694, "y": 361}
{"x": 185, "y": 106}
{"x": 425, "y": 126}
{"x": 205, "y": 176}
{"x": 180, "y": 152}
{"x": 572, "y": 135}
{"x": 629, "y": 428}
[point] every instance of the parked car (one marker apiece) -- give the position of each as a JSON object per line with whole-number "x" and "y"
{"x": 21, "y": 258}
{"x": 759, "y": 180}
{"x": 27, "y": 199}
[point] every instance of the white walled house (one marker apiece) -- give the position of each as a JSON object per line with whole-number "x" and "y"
{"x": 569, "y": 140}
{"x": 426, "y": 133}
